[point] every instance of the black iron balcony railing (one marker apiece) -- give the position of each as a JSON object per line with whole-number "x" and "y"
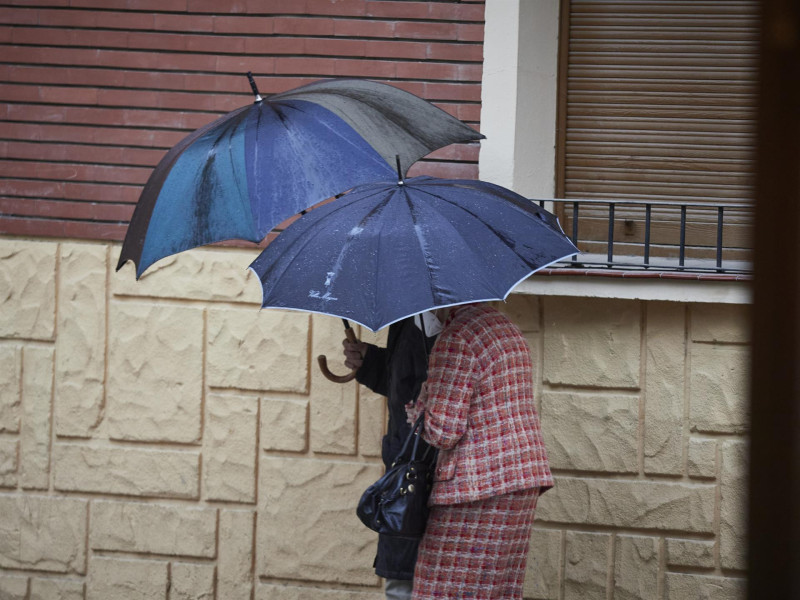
{"x": 690, "y": 237}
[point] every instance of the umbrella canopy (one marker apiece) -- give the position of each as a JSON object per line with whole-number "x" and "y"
{"x": 248, "y": 171}
{"x": 390, "y": 249}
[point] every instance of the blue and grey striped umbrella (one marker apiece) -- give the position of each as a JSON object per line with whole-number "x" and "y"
{"x": 253, "y": 168}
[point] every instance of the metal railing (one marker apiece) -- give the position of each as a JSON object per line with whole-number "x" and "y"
{"x": 674, "y": 255}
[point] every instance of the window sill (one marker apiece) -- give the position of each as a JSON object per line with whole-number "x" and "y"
{"x": 669, "y": 286}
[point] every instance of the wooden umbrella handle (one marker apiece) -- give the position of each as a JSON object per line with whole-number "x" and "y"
{"x": 323, "y": 362}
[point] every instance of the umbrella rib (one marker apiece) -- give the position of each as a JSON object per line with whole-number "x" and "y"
{"x": 374, "y": 212}
{"x": 422, "y": 140}
{"x": 489, "y": 284}
{"x": 423, "y": 245}
{"x": 255, "y": 161}
{"x": 144, "y": 210}
{"x": 242, "y": 195}
{"x": 501, "y": 237}
{"x": 530, "y": 216}
{"x": 309, "y": 235}
{"x": 349, "y": 142}
{"x": 434, "y": 285}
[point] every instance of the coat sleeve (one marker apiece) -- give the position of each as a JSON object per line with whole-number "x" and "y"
{"x": 373, "y": 372}
{"x": 450, "y": 386}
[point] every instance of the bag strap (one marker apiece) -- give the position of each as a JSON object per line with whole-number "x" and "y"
{"x": 416, "y": 429}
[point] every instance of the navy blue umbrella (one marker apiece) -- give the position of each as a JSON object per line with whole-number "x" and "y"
{"x": 391, "y": 249}
{"x": 253, "y": 168}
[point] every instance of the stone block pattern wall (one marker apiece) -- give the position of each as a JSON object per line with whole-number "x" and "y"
{"x": 166, "y": 439}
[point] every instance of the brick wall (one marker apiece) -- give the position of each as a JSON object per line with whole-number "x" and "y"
{"x": 93, "y": 93}
{"x": 166, "y": 439}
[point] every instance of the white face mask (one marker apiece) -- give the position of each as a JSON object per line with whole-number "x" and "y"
{"x": 428, "y": 323}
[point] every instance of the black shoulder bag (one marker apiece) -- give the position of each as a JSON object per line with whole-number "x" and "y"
{"x": 397, "y": 504}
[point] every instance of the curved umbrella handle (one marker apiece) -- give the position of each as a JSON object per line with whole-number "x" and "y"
{"x": 323, "y": 362}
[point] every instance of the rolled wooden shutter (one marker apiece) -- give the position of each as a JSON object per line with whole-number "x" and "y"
{"x": 658, "y": 103}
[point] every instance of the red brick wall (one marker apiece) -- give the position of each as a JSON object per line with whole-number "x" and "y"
{"x": 94, "y": 92}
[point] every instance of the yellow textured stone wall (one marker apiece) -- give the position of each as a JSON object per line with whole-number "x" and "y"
{"x": 165, "y": 439}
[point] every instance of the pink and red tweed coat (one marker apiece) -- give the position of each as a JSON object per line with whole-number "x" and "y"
{"x": 480, "y": 411}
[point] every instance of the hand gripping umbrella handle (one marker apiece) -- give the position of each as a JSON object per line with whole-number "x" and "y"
{"x": 323, "y": 361}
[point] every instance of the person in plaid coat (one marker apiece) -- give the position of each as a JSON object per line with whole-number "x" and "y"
{"x": 480, "y": 412}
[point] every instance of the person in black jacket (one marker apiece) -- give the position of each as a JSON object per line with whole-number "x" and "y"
{"x": 396, "y": 372}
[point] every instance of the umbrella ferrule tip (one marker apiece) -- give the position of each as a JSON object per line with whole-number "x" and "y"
{"x": 258, "y": 99}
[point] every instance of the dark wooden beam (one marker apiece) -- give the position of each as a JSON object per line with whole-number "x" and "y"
{"x": 774, "y": 523}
